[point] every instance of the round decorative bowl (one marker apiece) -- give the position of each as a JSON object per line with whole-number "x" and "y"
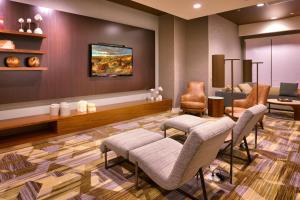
{"x": 33, "y": 62}
{"x": 12, "y": 61}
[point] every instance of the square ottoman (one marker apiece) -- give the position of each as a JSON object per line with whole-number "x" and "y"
{"x": 122, "y": 143}
{"x": 183, "y": 123}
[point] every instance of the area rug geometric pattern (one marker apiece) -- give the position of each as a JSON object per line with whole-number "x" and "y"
{"x": 71, "y": 167}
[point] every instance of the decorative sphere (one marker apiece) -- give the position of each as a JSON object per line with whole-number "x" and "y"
{"x": 12, "y": 61}
{"x": 21, "y": 20}
{"x": 33, "y": 62}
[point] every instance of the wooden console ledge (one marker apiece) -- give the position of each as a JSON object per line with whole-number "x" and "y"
{"x": 81, "y": 121}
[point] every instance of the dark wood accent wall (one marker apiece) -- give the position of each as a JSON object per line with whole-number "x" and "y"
{"x": 68, "y": 37}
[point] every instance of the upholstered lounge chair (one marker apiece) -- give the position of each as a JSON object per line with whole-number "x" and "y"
{"x": 122, "y": 143}
{"x": 171, "y": 164}
{"x": 242, "y": 129}
{"x": 240, "y": 105}
{"x": 194, "y": 100}
{"x": 183, "y": 123}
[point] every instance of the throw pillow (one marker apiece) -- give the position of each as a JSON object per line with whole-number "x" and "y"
{"x": 236, "y": 89}
{"x": 288, "y": 89}
{"x": 245, "y": 87}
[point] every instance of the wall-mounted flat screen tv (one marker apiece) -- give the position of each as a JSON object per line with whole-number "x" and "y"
{"x": 110, "y": 60}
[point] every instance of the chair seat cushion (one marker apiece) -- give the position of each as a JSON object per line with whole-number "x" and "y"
{"x": 157, "y": 159}
{"x": 183, "y": 123}
{"x": 122, "y": 143}
{"x": 192, "y": 105}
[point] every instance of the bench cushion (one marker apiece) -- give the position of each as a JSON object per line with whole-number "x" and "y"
{"x": 183, "y": 123}
{"x": 122, "y": 143}
{"x": 157, "y": 159}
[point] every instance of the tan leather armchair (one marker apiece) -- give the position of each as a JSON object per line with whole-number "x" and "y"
{"x": 240, "y": 105}
{"x": 194, "y": 100}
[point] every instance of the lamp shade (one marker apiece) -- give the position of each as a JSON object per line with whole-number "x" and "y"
{"x": 218, "y": 71}
{"x": 247, "y": 70}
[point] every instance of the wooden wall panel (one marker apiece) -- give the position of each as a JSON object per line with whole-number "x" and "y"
{"x": 67, "y": 44}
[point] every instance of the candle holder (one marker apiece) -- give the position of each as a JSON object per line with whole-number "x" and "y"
{"x": 29, "y": 22}
{"x": 38, "y": 18}
{"x": 21, "y": 21}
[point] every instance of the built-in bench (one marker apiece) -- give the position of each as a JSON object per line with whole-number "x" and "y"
{"x": 81, "y": 121}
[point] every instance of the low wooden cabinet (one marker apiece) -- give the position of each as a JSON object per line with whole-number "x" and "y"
{"x": 81, "y": 121}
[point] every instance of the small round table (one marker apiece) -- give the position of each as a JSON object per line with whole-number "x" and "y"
{"x": 295, "y": 104}
{"x": 215, "y": 106}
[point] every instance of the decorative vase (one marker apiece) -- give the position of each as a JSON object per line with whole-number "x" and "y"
{"x": 33, "y": 61}
{"x": 12, "y": 61}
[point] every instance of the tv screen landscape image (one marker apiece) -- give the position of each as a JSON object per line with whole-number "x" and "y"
{"x": 109, "y": 61}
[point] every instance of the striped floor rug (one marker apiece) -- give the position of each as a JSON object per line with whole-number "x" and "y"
{"x": 71, "y": 167}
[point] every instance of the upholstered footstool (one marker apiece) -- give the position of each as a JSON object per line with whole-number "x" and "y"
{"x": 122, "y": 143}
{"x": 183, "y": 123}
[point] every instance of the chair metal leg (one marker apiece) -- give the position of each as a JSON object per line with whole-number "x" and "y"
{"x": 247, "y": 149}
{"x": 165, "y": 133}
{"x": 231, "y": 158}
{"x": 203, "y": 183}
{"x": 255, "y": 144}
{"x": 262, "y": 125}
{"x": 136, "y": 176}
{"x": 105, "y": 157}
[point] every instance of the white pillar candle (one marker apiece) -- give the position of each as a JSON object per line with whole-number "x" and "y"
{"x": 54, "y": 109}
{"x": 82, "y": 106}
{"x": 91, "y": 107}
{"x": 65, "y": 109}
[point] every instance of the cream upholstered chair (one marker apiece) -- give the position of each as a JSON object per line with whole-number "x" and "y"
{"x": 171, "y": 164}
{"x": 242, "y": 129}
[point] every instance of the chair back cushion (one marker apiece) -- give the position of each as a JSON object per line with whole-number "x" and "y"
{"x": 200, "y": 149}
{"x": 263, "y": 93}
{"x": 196, "y": 87}
{"x": 247, "y": 121}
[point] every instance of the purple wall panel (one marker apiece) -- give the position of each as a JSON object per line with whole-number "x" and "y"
{"x": 67, "y": 59}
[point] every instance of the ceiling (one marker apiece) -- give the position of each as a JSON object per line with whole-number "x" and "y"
{"x": 279, "y": 9}
{"x": 138, "y": 6}
{"x": 185, "y": 10}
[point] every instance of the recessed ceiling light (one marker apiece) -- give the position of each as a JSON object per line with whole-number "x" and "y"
{"x": 260, "y": 4}
{"x": 292, "y": 13}
{"x": 197, "y": 5}
{"x": 274, "y": 18}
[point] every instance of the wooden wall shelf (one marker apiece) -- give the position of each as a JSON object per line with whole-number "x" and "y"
{"x": 16, "y": 33}
{"x": 23, "y": 51}
{"x": 23, "y": 68}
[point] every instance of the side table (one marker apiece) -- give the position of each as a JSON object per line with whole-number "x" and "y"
{"x": 215, "y": 106}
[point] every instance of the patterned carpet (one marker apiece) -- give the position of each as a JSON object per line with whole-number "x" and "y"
{"x": 71, "y": 167}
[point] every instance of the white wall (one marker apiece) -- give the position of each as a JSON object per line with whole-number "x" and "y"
{"x": 224, "y": 39}
{"x": 197, "y": 51}
{"x": 280, "y": 55}
{"x": 259, "y": 50}
{"x": 99, "y": 9}
{"x": 179, "y": 59}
